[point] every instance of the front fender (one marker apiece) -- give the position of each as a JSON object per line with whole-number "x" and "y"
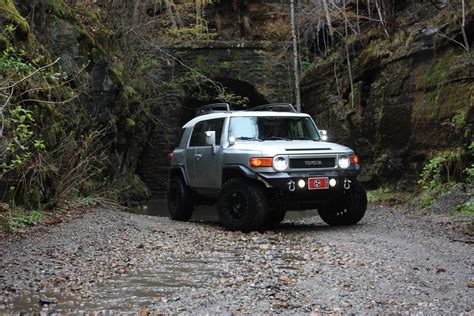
{"x": 179, "y": 170}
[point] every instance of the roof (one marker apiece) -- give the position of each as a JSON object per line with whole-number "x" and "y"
{"x": 241, "y": 113}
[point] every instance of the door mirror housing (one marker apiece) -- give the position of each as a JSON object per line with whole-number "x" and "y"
{"x": 210, "y": 138}
{"x": 324, "y": 134}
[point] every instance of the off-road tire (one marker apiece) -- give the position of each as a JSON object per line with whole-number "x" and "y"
{"x": 242, "y": 205}
{"x": 348, "y": 209}
{"x": 275, "y": 216}
{"x": 180, "y": 199}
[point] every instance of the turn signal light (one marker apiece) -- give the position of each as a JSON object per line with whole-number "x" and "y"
{"x": 354, "y": 160}
{"x": 261, "y": 162}
{"x": 170, "y": 156}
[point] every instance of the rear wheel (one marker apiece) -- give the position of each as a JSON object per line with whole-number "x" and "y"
{"x": 180, "y": 199}
{"x": 242, "y": 205}
{"x": 349, "y": 209}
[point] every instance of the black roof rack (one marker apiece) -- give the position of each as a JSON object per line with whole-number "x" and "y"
{"x": 277, "y": 107}
{"x": 214, "y": 107}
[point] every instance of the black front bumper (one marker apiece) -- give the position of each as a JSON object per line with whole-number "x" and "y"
{"x": 285, "y": 187}
{"x": 281, "y": 180}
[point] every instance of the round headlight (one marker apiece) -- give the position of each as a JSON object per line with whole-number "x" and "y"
{"x": 344, "y": 162}
{"x": 280, "y": 163}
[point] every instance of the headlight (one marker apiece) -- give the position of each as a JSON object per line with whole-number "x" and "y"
{"x": 280, "y": 163}
{"x": 344, "y": 162}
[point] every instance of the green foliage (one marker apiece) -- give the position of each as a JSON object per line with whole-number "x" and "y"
{"x": 126, "y": 188}
{"x": 466, "y": 208}
{"x": 22, "y": 140}
{"x": 191, "y": 33}
{"x": 459, "y": 119}
{"x": 469, "y": 171}
{"x": 431, "y": 179}
{"x": 17, "y": 218}
{"x": 440, "y": 170}
{"x": 387, "y": 195}
{"x": 14, "y": 61}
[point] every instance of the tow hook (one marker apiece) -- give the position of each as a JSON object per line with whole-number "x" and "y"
{"x": 291, "y": 185}
{"x": 347, "y": 184}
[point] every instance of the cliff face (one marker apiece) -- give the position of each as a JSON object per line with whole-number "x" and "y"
{"x": 83, "y": 94}
{"x": 412, "y": 94}
{"x": 139, "y": 69}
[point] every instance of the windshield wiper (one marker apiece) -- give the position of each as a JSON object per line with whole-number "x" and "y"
{"x": 248, "y": 138}
{"x": 276, "y": 138}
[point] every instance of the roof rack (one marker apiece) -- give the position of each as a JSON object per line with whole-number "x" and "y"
{"x": 214, "y": 107}
{"x": 277, "y": 107}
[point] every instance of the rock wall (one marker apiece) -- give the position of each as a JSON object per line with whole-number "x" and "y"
{"x": 408, "y": 92}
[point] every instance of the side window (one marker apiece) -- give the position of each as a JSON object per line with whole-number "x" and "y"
{"x": 216, "y": 125}
{"x": 198, "y": 137}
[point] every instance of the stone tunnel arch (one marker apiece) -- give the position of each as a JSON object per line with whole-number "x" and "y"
{"x": 247, "y": 95}
{"x": 245, "y": 70}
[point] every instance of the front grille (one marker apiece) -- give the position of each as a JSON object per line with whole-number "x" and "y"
{"x": 312, "y": 163}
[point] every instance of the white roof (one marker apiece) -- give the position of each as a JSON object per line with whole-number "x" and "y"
{"x": 241, "y": 113}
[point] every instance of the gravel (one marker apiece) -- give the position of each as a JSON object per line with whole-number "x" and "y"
{"x": 109, "y": 261}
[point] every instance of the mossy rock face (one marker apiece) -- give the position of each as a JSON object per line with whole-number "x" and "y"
{"x": 9, "y": 15}
{"x": 408, "y": 89}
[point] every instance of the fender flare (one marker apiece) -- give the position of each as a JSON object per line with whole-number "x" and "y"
{"x": 179, "y": 170}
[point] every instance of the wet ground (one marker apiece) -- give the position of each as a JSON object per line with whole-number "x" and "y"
{"x": 109, "y": 261}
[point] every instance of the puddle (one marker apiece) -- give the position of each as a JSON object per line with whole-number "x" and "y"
{"x": 126, "y": 293}
{"x": 204, "y": 213}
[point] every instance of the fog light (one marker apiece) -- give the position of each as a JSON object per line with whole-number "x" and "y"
{"x": 301, "y": 184}
{"x": 332, "y": 182}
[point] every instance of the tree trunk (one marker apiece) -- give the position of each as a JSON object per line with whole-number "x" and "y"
{"x": 295, "y": 57}
{"x": 463, "y": 25}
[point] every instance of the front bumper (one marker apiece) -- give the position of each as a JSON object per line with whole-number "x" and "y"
{"x": 290, "y": 196}
{"x": 284, "y": 180}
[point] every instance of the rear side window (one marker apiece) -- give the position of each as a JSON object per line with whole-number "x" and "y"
{"x": 198, "y": 138}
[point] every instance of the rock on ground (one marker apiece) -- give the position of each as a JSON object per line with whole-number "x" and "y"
{"x": 108, "y": 261}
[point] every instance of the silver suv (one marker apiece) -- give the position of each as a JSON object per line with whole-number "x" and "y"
{"x": 259, "y": 163}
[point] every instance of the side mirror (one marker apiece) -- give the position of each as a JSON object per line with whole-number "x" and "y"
{"x": 210, "y": 138}
{"x": 231, "y": 140}
{"x": 324, "y": 134}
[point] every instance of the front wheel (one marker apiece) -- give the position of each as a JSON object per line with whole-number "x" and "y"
{"x": 349, "y": 209}
{"x": 180, "y": 199}
{"x": 275, "y": 216}
{"x": 242, "y": 205}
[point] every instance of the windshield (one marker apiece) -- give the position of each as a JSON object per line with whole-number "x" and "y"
{"x": 273, "y": 128}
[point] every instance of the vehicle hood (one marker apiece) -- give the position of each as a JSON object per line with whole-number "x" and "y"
{"x": 283, "y": 147}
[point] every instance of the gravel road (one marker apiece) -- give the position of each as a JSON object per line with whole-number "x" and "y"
{"x": 110, "y": 261}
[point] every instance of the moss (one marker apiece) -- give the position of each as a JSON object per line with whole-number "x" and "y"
{"x": 128, "y": 94}
{"x": 374, "y": 52}
{"x": 10, "y": 12}
{"x": 130, "y": 123}
{"x": 116, "y": 74}
{"x": 62, "y": 10}
{"x": 3, "y": 42}
{"x": 147, "y": 64}
{"x": 437, "y": 71}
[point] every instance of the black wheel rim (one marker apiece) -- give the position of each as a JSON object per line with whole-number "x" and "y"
{"x": 235, "y": 205}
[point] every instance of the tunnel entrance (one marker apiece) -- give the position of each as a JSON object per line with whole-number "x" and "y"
{"x": 239, "y": 94}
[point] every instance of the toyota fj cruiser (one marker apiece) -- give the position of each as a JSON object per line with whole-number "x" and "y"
{"x": 259, "y": 163}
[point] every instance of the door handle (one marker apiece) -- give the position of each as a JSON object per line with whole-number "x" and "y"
{"x": 197, "y": 156}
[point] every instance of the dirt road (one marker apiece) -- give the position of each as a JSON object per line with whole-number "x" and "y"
{"x": 110, "y": 261}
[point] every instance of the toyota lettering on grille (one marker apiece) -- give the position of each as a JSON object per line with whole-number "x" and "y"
{"x": 309, "y": 163}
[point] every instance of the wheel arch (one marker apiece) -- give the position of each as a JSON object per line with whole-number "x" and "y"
{"x": 237, "y": 171}
{"x": 179, "y": 171}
